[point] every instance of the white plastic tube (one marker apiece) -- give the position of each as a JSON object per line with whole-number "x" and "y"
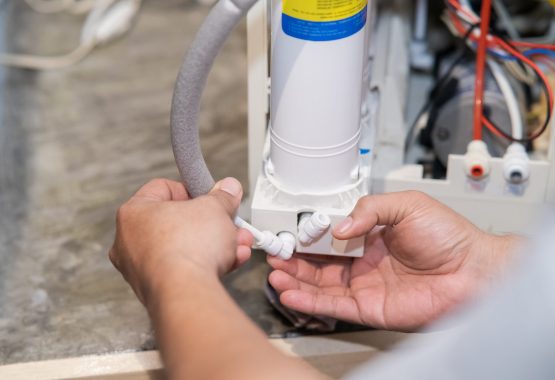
{"x": 316, "y": 94}
{"x": 513, "y": 105}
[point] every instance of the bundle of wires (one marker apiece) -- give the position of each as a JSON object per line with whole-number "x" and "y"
{"x": 462, "y": 21}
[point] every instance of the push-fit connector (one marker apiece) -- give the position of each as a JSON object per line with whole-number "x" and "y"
{"x": 516, "y": 164}
{"x": 477, "y": 160}
{"x": 312, "y": 227}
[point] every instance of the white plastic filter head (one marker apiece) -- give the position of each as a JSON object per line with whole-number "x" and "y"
{"x": 312, "y": 227}
{"x": 516, "y": 164}
{"x": 477, "y": 160}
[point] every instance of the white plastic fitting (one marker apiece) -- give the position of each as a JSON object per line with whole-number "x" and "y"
{"x": 477, "y": 160}
{"x": 289, "y": 243}
{"x": 516, "y": 164}
{"x": 277, "y": 246}
{"x": 281, "y": 246}
{"x": 312, "y": 227}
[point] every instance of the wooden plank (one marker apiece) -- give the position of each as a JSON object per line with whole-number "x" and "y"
{"x": 334, "y": 355}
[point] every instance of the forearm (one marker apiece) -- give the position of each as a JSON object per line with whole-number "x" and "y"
{"x": 203, "y": 334}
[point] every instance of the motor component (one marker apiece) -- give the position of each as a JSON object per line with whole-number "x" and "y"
{"x": 449, "y": 128}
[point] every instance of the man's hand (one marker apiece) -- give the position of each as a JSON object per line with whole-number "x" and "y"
{"x": 421, "y": 259}
{"x": 171, "y": 251}
{"x": 161, "y": 234}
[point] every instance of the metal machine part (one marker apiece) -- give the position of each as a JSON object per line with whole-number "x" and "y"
{"x": 448, "y": 131}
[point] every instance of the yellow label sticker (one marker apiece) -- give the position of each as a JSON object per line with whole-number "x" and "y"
{"x": 323, "y": 10}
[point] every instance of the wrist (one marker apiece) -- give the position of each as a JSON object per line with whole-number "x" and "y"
{"x": 169, "y": 282}
{"x": 494, "y": 252}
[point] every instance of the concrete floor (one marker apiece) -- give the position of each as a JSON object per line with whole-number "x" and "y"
{"x": 74, "y": 145}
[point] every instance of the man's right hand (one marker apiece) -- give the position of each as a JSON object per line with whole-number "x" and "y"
{"x": 421, "y": 259}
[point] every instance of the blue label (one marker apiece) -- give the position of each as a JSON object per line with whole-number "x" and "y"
{"x": 323, "y": 30}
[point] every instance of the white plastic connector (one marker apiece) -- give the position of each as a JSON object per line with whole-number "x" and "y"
{"x": 312, "y": 227}
{"x": 289, "y": 242}
{"x": 477, "y": 160}
{"x": 281, "y": 246}
{"x": 516, "y": 164}
{"x": 276, "y": 246}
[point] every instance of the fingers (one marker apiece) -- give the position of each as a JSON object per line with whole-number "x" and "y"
{"x": 244, "y": 237}
{"x": 243, "y": 255}
{"x": 330, "y": 273}
{"x": 379, "y": 210}
{"x": 322, "y": 304}
{"x": 299, "y": 268}
{"x": 281, "y": 282}
{"x": 161, "y": 190}
{"x": 244, "y": 244}
{"x": 228, "y": 193}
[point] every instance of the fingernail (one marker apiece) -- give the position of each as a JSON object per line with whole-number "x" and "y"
{"x": 344, "y": 225}
{"x": 231, "y": 186}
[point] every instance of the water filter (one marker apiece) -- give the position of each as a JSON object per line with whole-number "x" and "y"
{"x": 317, "y": 64}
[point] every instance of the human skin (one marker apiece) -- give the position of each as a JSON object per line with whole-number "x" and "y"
{"x": 421, "y": 259}
{"x": 173, "y": 251}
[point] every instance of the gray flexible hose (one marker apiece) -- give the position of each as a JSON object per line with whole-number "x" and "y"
{"x": 219, "y": 23}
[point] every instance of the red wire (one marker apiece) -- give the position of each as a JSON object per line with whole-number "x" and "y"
{"x": 491, "y": 128}
{"x": 533, "y": 45}
{"x": 481, "y": 69}
{"x": 546, "y": 61}
{"x": 533, "y": 65}
{"x": 498, "y": 42}
{"x": 455, "y": 4}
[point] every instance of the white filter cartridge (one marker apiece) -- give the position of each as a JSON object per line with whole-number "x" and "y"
{"x": 318, "y": 55}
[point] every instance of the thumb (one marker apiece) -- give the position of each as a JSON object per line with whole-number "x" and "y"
{"x": 228, "y": 193}
{"x": 380, "y": 210}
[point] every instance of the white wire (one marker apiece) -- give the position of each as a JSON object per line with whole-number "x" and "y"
{"x": 49, "y": 6}
{"x": 105, "y": 22}
{"x": 523, "y": 74}
{"x": 256, "y": 233}
{"x": 33, "y": 62}
{"x": 508, "y": 93}
{"x": 57, "y": 6}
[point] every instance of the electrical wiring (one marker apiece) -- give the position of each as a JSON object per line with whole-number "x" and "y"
{"x": 547, "y": 88}
{"x": 542, "y": 51}
{"x": 109, "y": 19}
{"x": 481, "y": 69}
{"x": 466, "y": 15}
{"x": 437, "y": 90}
{"x": 32, "y": 62}
{"x": 57, "y": 6}
{"x": 519, "y": 63}
{"x": 517, "y": 124}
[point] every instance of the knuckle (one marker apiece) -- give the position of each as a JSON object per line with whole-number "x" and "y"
{"x": 218, "y": 204}
{"x": 124, "y": 213}
{"x": 156, "y": 182}
{"x": 112, "y": 255}
{"x": 364, "y": 202}
{"x": 418, "y": 196}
